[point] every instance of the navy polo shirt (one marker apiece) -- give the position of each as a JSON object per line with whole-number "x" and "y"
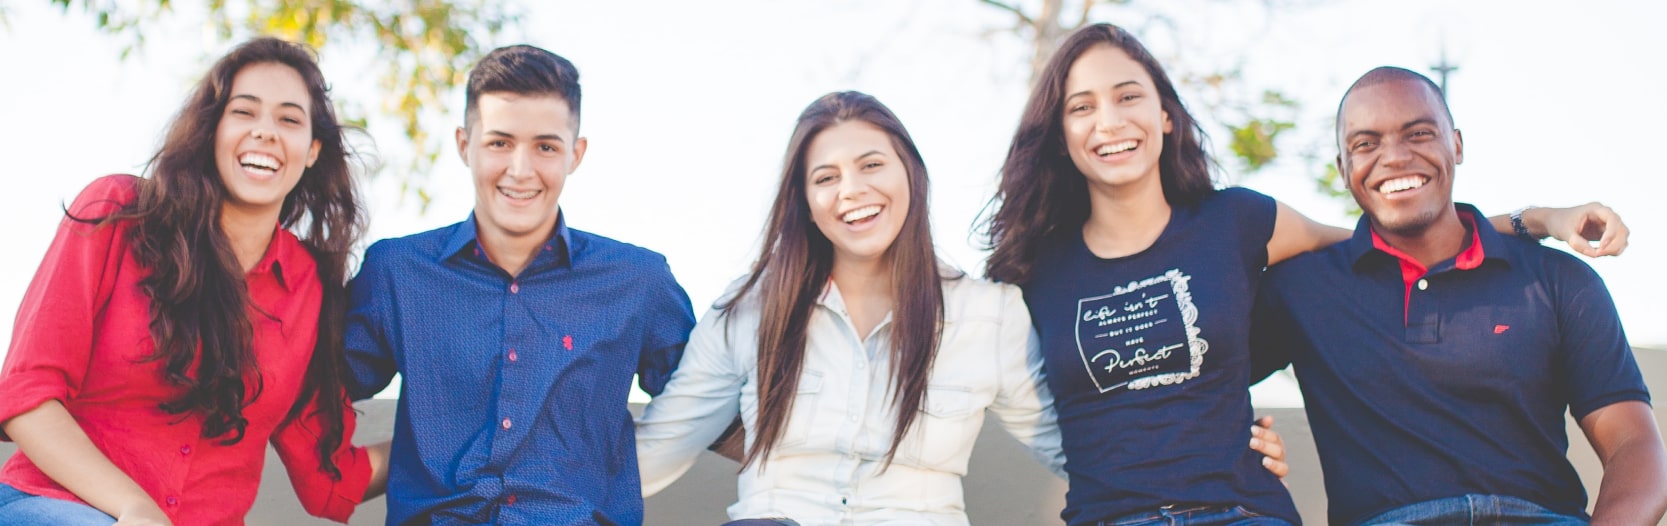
{"x": 1461, "y": 385}
{"x": 513, "y": 405}
{"x": 1148, "y": 359}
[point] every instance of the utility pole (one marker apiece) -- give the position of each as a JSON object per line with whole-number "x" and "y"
{"x": 1442, "y": 68}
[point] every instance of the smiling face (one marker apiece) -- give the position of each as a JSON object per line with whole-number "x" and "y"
{"x": 520, "y": 150}
{"x": 1399, "y": 150}
{"x": 264, "y": 140}
{"x": 858, "y": 190}
{"x": 1114, "y": 119}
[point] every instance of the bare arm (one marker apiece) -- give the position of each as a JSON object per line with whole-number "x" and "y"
{"x": 1626, "y": 439}
{"x": 1294, "y": 233}
{"x": 60, "y": 448}
{"x": 1576, "y": 226}
{"x": 378, "y": 455}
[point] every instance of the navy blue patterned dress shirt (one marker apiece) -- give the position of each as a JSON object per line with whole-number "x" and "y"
{"x": 512, "y": 407}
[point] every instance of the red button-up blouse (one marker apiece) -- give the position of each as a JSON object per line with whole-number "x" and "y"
{"x": 82, "y": 337}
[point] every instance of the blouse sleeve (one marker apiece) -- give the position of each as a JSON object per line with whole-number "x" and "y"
{"x": 52, "y": 338}
{"x": 698, "y": 403}
{"x": 1024, "y": 405}
{"x": 321, "y": 495}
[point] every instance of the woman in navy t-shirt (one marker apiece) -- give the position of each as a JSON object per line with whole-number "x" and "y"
{"x": 1139, "y": 275}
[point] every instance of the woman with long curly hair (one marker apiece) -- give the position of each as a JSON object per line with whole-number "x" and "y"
{"x": 182, "y": 321}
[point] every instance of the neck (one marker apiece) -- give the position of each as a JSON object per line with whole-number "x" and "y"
{"x": 249, "y": 233}
{"x": 863, "y": 279}
{"x": 511, "y": 253}
{"x": 1125, "y": 220}
{"x": 1438, "y": 241}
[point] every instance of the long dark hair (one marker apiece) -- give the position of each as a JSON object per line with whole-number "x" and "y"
{"x": 1042, "y": 192}
{"x": 199, "y": 299}
{"x": 797, "y": 261}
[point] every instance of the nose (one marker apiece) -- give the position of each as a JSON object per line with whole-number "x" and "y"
{"x": 1394, "y": 153}
{"x": 853, "y": 184}
{"x": 1109, "y": 118}
{"x": 521, "y": 163}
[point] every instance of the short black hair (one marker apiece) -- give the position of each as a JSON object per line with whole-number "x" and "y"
{"x": 522, "y": 70}
{"x": 1383, "y": 74}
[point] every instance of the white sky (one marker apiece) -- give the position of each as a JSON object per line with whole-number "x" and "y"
{"x": 688, "y": 106}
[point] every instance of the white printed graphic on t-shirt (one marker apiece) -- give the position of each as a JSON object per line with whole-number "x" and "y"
{"x": 1142, "y": 334}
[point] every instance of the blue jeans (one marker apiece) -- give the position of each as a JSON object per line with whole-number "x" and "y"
{"x": 20, "y": 508}
{"x": 1196, "y": 516}
{"x": 1474, "y": 509}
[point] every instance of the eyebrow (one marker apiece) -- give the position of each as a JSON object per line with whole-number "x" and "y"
{"x": 256, "y": 100}
{"x": 1118, "y": 86}
{"x": 859, "y": 157}
{"x": 1429, "y": 121}
{"x": 544, "y": 137}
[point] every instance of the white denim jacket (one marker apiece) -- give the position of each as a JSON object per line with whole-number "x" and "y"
{"x": 825, "y": 469}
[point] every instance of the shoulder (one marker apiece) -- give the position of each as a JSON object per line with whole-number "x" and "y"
{"x": 1554, "y": 268}
{"x": 966, "y": 297}
{"x": 594, "y": 249}
{"x": 105, "y": 196}
{"x": 419, "y": 245}
{"x": 1305, "y": 267}
{"x": 1238, "y": 198}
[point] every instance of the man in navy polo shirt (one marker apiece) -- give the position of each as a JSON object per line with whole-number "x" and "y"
{"x": 1447, "y": 407}
{"x": 516, "y": 336}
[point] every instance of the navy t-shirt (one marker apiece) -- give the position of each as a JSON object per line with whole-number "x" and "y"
{"x": 1454, "y": 385}
{"x": 1148, "y": 360}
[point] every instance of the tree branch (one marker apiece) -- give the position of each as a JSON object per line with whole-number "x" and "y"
{"x": 1011, "y": 9}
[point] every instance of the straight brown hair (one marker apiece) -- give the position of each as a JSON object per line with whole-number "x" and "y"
{"x": 796, "y": 262}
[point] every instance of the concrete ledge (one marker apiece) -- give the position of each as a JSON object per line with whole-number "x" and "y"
{"x": 1004, "y": 485}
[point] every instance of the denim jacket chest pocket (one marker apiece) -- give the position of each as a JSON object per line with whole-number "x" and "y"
{"x": 801, "y": 421}
{"x": 949, "y": 419}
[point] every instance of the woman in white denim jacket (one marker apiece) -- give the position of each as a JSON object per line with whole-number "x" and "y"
{"x": 855, "y": 337}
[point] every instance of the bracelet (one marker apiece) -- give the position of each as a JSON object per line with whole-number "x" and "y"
{"x": 1517, "y": 226}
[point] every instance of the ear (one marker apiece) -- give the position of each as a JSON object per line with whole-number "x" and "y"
{"x": 1342, "y": 173}
{"x": 312, "y": 153}
{"x": 579, "y": 146}
{"x": 1458, "y": 147}
{"x": 463, "y": 144}
{"x": 1168, "y": 127}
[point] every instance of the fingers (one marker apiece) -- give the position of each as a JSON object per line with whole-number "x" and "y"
{"x": 1278, "y": 467}
{"x": 1265, "y": 421}
{"x": 1267, "y": 442}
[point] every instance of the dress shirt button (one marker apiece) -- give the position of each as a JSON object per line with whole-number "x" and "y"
{"x": 853, "y": 417}
{"x": 185, "y": 450}
{"x": 506, "y": 423}
{"x": 171, "y": 500}
{"x": 1423, "y": 284}
{"x": 512, "y": 356}
{"x": 510, "y": 499}
{"x": 861, "y": 365}
{"x": 514, "y": 288}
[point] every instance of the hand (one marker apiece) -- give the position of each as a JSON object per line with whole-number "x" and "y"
{"x": 143, "y": 514}
{"x": 1264, "y": 440}
{"x": 1578, "y": 225}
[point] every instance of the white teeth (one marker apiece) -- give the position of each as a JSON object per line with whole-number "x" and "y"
{"x": 860, "y": 214}
{"x": 1117, "y": 148}
{"x": 512, "y": 194}
{"x": 1401, "y": 184}
{"x": 259, "y": 160}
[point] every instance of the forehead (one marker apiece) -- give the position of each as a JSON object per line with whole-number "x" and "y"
{"x": 272, "y": 83}
{"x": 847, "y": 140}
{"x": 1390, "y": 103}
{"x": 520, "y": 114}
{"x": 1103, "y": 66}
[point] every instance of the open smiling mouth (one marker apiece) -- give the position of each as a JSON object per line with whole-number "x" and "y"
{"x": 1116, "y": 148}
{"x": 521, "y": 194}
{"x": 1402, "y": 184}
{"x": 861, "y": 215}
{"x": 259, "y": 163}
